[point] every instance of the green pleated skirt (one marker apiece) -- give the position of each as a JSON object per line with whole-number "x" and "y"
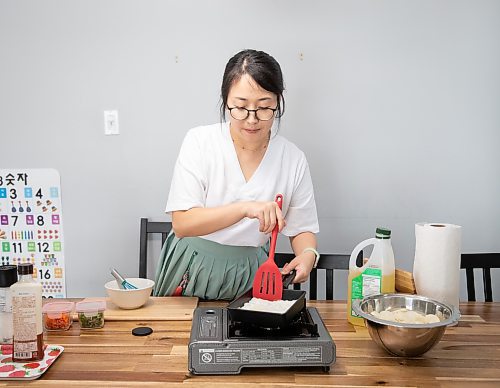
{"x": 206, "y": 269}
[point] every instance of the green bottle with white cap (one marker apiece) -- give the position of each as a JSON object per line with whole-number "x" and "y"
{"x": 376, "y": 276}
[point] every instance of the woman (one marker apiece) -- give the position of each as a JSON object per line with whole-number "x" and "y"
{"x": 223, "y": 188}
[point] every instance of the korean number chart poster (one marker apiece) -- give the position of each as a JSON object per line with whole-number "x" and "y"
{"x": 31, "y": 228}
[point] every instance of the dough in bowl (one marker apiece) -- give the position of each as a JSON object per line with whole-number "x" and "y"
{"x": 403, "y": 315}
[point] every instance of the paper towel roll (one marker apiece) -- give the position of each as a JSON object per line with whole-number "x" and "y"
{"x": 436, "y": 269}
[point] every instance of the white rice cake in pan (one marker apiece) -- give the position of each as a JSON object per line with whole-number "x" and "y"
{"x": 268, "y": 306}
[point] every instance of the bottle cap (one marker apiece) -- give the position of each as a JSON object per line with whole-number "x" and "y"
{"x": 25, "y": 269}
{"x": 8, "y": 275}
{"x": 383, "y": 233}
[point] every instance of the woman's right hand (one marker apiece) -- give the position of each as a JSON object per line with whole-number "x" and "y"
{"x": 268, "y": 214}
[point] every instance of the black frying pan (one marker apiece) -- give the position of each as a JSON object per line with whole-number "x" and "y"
{"x": 269, "y": 319}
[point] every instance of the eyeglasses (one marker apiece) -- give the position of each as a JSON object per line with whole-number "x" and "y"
{"x": 262, "y": 114}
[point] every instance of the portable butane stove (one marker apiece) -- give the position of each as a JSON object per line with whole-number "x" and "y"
{"x": 219, "y": 345}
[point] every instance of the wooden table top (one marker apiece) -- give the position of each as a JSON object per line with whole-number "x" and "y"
{"x": 468, "y": 355}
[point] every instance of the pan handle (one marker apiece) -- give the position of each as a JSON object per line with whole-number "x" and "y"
{"x": 287, "y": 279}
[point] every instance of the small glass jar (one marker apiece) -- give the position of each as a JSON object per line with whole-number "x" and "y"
{"x": 91, "y": 314}
{"x": 57, "y": 315}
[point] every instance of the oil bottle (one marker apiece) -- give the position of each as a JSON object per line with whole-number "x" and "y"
{"x": 376, "y": 276}
{"x": 27, "y": 316}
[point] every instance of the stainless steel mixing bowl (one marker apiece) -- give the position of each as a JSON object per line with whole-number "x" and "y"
{"x": 405, "y": 339}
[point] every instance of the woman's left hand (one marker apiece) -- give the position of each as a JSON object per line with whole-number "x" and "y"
{"x": 303, "y": 264}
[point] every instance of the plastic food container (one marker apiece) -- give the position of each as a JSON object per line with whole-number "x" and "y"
{"x": 91, "y": 314}
{"x": 57, "y": 315}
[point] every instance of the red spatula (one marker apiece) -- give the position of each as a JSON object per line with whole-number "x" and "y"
{"x": 267, "y": 283}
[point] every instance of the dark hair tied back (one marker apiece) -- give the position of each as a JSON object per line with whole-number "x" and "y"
{"x": 262, "y": 67}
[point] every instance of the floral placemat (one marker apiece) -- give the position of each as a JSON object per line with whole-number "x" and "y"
{"x": 31, "y": 370}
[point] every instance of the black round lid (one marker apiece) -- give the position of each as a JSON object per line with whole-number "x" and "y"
{"x": 142, "y": 331}
{"x": 8, "y": 275}
{"x": 25, "y": 269}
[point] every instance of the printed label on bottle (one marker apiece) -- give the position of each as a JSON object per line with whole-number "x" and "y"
{"x": 5, "y": 301}
{"x": 24, "y": 325}
{"x": 365, "y": 284}
{"x": 5, "y": 316}
{"x": 25, "y": 318}
{"x": 29, "y": 350}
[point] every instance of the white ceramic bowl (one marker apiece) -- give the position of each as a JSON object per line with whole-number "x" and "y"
{"x": 130, "y": 299}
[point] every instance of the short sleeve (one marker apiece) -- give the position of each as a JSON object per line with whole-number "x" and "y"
{"x": 302, "y": 215}
{"x": 188, "y": 187}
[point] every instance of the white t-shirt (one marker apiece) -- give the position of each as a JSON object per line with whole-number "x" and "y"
{"x": 208, "y": 174}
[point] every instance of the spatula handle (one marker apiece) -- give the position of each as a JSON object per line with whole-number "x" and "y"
{"x": 287, "y": 279}
{"x": 274, "y": 235}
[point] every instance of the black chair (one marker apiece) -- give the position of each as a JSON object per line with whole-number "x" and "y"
{"x": 486, "y": 261}
{"x": 328, "y": 262}
{"x": 147, "y": 228}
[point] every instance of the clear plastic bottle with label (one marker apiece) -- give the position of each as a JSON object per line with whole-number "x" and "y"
{"x": 27, "y": 316}
{"x": 376, "y": 276}
{"x": 8, "y": 276}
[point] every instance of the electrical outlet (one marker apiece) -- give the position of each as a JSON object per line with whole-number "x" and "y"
{"x": 111, "y": 122}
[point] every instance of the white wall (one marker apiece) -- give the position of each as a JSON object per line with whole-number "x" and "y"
{"x": 395, "y": 103}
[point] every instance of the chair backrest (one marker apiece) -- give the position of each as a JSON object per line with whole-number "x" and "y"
{"x": 147, "y": 228}
{"x": 486, "y": 261}
{"x": 328, "y": 262}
